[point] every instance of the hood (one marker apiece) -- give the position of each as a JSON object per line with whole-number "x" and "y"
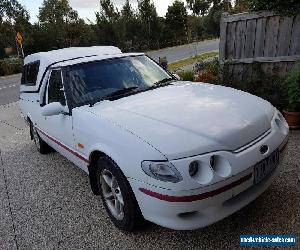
{"x": 186, "y": 119}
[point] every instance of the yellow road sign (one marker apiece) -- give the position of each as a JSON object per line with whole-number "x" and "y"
{"x": 19, "y": 38}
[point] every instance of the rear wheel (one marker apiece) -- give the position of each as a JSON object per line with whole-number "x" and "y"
{"x": 117, "y": 195}
{"x": 42, "y": 146}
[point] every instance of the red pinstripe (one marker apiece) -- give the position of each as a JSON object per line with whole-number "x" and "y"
{"x": 63, "y": 146}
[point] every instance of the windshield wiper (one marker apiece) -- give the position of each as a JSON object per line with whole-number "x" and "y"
{"x": 161, "y": 83}
{"x": 115, "y": 94}
{"x": 121, "y": 92}
{"x": 164, "y": 82}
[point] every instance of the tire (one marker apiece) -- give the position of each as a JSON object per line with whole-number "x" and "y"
{"x": 129, "y": 216}
{"x": 41, "y": 146}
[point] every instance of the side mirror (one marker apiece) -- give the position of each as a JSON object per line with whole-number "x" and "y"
{"x": 54, "y": 108}
{"x": 177, "y": 76}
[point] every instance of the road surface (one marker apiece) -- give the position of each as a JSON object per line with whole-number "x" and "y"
{"x": 9, "y": 86}
{"x": 181, "y": 52}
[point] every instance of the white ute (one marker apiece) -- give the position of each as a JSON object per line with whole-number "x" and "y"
{"x": 180, "y": 154}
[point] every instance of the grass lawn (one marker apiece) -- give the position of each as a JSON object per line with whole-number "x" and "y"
{"x": 192, "y": 60}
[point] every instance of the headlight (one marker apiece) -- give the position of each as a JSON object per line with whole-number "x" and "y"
{"x": 163, "y": 171}
{"x": 281, "y": 123}
{"x": 281, "y": 117}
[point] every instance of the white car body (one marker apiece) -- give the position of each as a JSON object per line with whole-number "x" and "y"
{"x": 178, "y": 124}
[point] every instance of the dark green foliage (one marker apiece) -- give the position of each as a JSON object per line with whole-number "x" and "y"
{"x": 141, "y": 30}
{"x": 60, "y": 26}
{"x": 290, "y": 7}
{"x": 212, "y": 20}
{"x": 272, "y": 89}
{"x": 12, "y": 10}
{"x": 199, "y": 7}
{"x": 150, "y": 25}
{"x": 293, "y": 85}
{"x": 207, "y": 26}
{"x": 212, "y": 66}
{"x": 56, "y": 12}
{"x": 176, "y": 21}
{"x": 269, "y": 87}
{"x": 286, "y": 7}
{"x": 108, "y": 24}
{"x": 10, "y": 66}
{"x": 13, "y": 17}
{"x": 130, "y": 25}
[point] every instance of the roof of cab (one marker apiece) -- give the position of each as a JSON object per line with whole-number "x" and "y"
{"x": 93, "y": 58}
{"x": 51, "y": 57}
{"x": 46, "y": 59}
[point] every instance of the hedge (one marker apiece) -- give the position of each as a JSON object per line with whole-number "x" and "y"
{"x": 10, "y": 66}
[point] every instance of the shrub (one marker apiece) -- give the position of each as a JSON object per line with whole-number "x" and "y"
{"x": 206, "y": 76}
{"x": 293, "y": 85}
{"x": 10, "y": 66}
{"x": 186, "y": 75}
{"x": 269, "y": 87}
{"x": 272, "y": 89}
{"x": 211, "y": 65}
{"x": 208, "y": 71}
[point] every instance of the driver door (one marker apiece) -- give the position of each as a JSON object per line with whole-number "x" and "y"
{"x": 59, "y": 128}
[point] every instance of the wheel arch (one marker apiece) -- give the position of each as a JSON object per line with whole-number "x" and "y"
{"x": 92, "y": 167}
{"x": 28, "y": 119}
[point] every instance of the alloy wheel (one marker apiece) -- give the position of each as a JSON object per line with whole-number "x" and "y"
{"x": 112, "y": 194}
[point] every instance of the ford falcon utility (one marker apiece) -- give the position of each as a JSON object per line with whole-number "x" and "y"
{"x": 180, "y": 154}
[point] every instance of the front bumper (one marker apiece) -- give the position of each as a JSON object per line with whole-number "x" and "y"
{"x": 202, "y": 206}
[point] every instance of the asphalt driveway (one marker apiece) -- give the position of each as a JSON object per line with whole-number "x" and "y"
{"x": 46, "y": 203}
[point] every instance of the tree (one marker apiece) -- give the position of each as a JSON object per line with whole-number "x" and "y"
{"x": 150, "y": 25}
{"x": 108, "y": 24}
{"x": 290, "y": 7}
{"x": 127, "y": 11}
{"x": 108, "y": 11}
{"x": 176, "y": 20}
{"x": 199, "y": 7}
{"x": 212, "y": 20}
{"x": 13, "y": 17}
{"x": 241, "y": 6}
{"x": 131, "y": 26}
{"x": 57, "y": 12}
{"x": 11, "y": 10}
{"x": 60, "y": 25}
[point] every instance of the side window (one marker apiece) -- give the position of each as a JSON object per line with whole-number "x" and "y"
{"x": 30, "y": 72}
{"x": 55, "y": 88}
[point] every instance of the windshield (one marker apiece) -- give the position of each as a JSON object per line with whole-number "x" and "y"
{"x": 91, "y": 82}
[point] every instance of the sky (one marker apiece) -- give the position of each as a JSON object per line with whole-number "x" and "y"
{"x": 87, "y": 8}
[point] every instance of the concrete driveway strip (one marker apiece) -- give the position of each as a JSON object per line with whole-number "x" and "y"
{"x": 7, "y": 226}
{"x": 52, "y": 206}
